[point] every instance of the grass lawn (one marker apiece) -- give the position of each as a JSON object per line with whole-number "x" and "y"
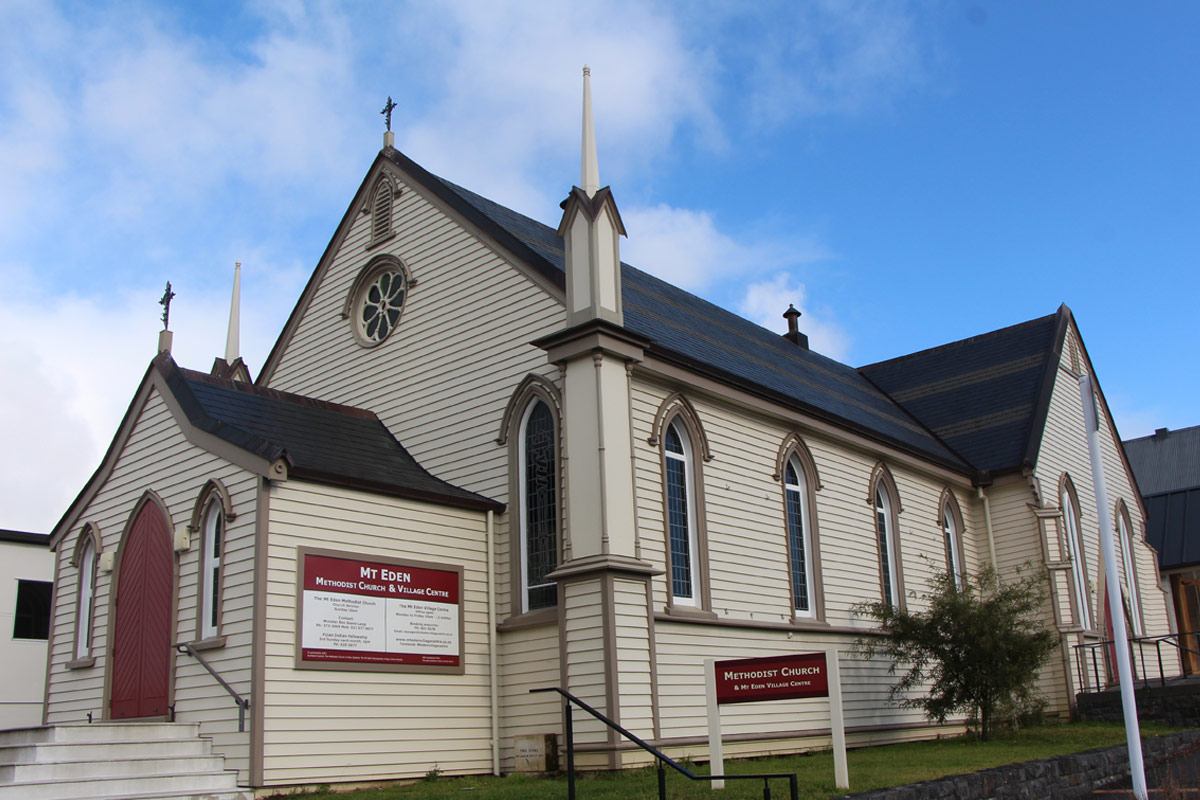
{"x": 870, "y": 768}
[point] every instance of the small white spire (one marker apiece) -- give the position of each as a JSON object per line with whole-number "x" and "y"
{"x": 231, "y": 338}
{"x": 590, "y": 178}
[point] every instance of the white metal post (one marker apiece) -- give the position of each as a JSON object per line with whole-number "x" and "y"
{"x": 1116, "y": 609}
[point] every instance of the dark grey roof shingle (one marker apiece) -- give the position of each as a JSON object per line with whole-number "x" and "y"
{"x": 1167, "y": 461}
{"x": 321, "y": 441}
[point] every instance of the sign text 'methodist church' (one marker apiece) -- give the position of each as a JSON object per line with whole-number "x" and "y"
{"x": 399, "y": 528}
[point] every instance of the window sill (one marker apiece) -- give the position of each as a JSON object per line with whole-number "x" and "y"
{"x": 211, "y": 643}
{"x": 530, "y": 619}
{"x": 689, "y": 613}
{"x": 81, "y": 663}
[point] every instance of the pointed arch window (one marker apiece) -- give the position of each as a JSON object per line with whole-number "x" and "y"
{"x": 800, "y": 544}
{"x": 539, "y": 506}
{"x": 84, "y": 561}
{"x": 1129, "y": 584}
{"x": 952, "y": 538}
{"x": 885, "y": 505}
{"x": 213, "y": 541}
{"x": 681, "y": 513}
{"x": 1075, "y": 551}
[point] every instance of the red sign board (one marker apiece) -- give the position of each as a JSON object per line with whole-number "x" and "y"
{"x": 369, "y": 612}
{"x": 747, "y": 680}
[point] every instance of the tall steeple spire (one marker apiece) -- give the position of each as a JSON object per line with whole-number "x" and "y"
{"x": 591, "y": 227}
{"x": 590, "y": 177}
{"x": 235, "y": 309}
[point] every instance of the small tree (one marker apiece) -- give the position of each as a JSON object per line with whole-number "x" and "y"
{"x": 977, "y": 645}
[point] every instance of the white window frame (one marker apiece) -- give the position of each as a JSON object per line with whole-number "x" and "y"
{"x": 800, "y": 488}
{"x": 213, "y": 541}
{"x": 885, "y": 520}
{"x": 522, "y": 492}
{"x": 1130, "y": 577}
{"x": 689, "y": 489}
{"x": 953, "y": 539}
{"x": 85, "y": 599}
{"x": 1078, "y": 567}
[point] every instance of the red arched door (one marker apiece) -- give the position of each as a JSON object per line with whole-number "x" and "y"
{"x": 141, "y": 654}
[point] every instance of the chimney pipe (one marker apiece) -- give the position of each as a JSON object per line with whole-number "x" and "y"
{"x": 794, "y": 335}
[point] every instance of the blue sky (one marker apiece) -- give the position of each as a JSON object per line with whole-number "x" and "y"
{"x": 906, "y": 174}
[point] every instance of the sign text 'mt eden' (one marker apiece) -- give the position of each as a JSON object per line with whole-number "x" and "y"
{"x": 747, "y": 680}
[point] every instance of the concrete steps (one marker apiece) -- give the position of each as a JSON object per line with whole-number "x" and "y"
{"x": 111, "y": 761}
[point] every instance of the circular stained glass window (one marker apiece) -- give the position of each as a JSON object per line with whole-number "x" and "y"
{"x": 379, "y": 306}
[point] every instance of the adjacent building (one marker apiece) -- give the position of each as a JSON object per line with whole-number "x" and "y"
{"x": 26, "y": 573}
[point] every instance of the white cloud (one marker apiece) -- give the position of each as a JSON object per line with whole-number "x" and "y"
{"x": 764, "y": 303}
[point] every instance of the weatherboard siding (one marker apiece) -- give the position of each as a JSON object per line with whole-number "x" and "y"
{"x": 357, "y": 725}
{"x": 528, "y": 659}
{"x": 158, "y": 458}
{"x": 442, "y": 380}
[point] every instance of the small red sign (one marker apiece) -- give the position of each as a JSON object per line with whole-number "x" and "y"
{"x": 747, "y": 680}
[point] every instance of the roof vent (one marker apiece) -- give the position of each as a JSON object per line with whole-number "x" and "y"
{"x": 794, "y": 335}
{"x": 1160, "y": 433}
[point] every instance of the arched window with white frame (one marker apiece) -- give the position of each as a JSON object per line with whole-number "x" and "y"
{"x": 213, "y": 543}
{"x": 1129, "y": 584}
{"x": 800, "y": 542}
{"x": 538, "y": 487}
{"x": 952, "y": 529}
{"x": 885, "y": 503}
{"x": 1071, "y": 523}
{"x": 681, "y": 513}
{"x": 84, "y": 561}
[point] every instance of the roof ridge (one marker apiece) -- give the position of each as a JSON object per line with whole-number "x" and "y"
{"x": 961, "y": 342}
{"x": 275, "y": 394}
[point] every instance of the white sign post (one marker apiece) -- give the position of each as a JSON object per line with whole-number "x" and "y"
{"x": 775, "y": 678}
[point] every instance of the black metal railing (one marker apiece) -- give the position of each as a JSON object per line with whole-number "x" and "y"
{"x": 661, "y": 760}
{"x": 1091, "y": 657}
{"x": 243, "y": 704}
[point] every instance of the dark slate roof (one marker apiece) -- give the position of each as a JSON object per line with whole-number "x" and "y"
{"x": 24, "y": 537}
{"x": 321, "y": 441}
{"x": 986, "y": 396}
{"x": 707, "y": 338}
{"x": 1167, "y": 461}
{"x": 1173, "y": 527}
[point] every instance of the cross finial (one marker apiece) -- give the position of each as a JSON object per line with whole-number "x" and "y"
{"x": 387, "y": 112}
{"x": 165, "y": 302}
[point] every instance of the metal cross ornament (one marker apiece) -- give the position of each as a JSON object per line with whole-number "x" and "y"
{"x": 387, "y": 112}
{"x": 165, "y": 302}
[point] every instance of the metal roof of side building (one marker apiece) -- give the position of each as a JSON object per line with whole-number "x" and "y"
{"x": 1167, "y": 468}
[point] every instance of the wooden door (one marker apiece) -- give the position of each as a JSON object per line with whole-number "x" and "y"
{"x": 1187, "y": 603}
{"x": 141, "y": 656}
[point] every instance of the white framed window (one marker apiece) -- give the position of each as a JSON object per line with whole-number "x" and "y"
{"x": 1129, "y": 584}
{"x": 885, "y": 534}
{"x": 799, "y": 531}
{"x": 85, "y": 563}
{"x": 213, "y": 541}
{"x": 681, "y": 513}
{"x": 1078, "y": 566}
{"x": 538, "y": 489}
{"x": 952, "y": 537}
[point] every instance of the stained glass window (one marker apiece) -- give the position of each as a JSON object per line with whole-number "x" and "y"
{"x": 1078, "y": 569}
{"x": 883, "y": 524}
{"x": 797, "y": 527}
{"x": 540, "y": 496}
{"x": 679, "y": 513}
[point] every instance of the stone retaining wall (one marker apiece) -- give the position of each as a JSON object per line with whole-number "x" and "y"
{"x": 1072, "y": 776}
{"x": 1177, "y": 705}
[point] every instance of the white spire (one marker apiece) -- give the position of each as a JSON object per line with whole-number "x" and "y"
{"x": 590, "y": 178}
{"x": 231, "y": 338}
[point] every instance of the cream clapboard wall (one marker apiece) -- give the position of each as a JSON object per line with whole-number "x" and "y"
{"x": 748, "y": 565}
{"x": 357, "y": 725}
{"x": 157, "y": 457}
{"x": 441, "y": 384}
{"x": 1064, "y": 451}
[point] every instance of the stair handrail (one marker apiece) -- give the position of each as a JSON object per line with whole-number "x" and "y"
{"x": 661, "y": 757}
{"x": 242, "y": 703}
{"x": 1176, "y": 640}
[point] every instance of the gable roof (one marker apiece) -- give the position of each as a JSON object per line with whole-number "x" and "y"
{"x": 1167, "y": 461}
{"x": 986, "y": 397}
{"x": 319, "y": 440}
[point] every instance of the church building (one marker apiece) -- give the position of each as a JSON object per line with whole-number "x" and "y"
{"x": 485, "y": 456}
